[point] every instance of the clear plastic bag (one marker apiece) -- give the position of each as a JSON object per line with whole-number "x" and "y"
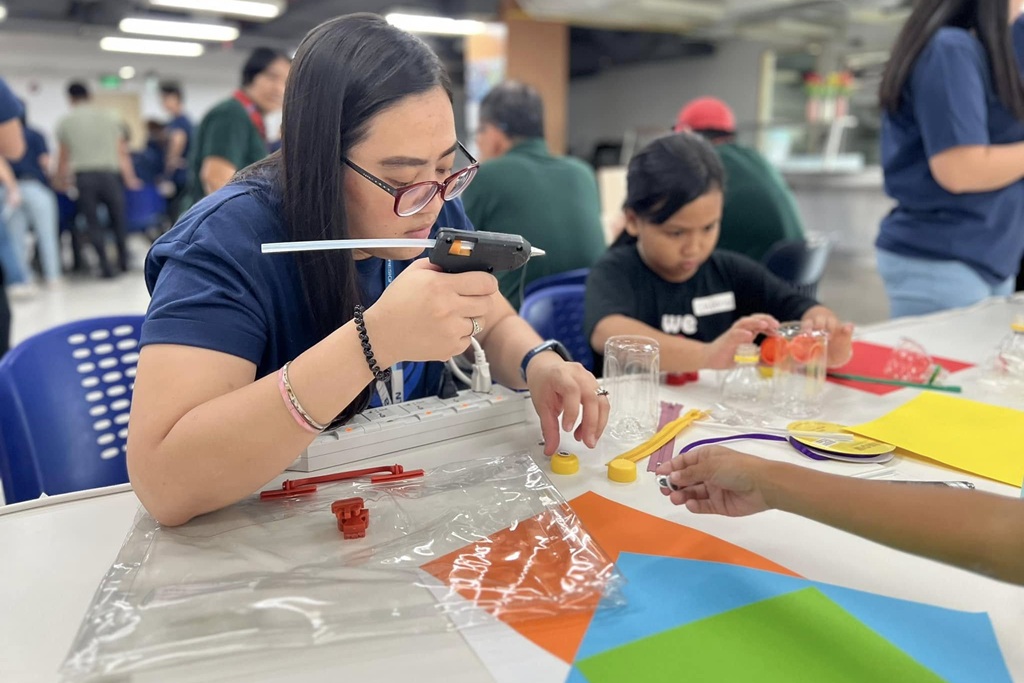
{"x": 489, "y": 535}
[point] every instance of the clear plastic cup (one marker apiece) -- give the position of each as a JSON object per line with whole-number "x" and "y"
{"x": 800, "y": 369}
{"x": 631, "y": 372}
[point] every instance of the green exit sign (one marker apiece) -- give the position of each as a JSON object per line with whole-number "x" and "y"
{"x": 110, "y": 81}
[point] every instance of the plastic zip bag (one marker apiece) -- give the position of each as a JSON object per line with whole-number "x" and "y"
{"x": 263, "y": 574}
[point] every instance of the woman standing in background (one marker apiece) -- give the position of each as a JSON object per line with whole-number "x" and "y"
{"x": 953, "y": 157}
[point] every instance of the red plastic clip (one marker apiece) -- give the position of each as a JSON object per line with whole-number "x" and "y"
{"x": 353, "y": 518}
{"x": 398, "y": 476}
{"x": 677, "y": 379}
{"x": 300, "y": 487}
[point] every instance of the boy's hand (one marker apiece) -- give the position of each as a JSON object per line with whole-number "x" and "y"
{"x": 718, "y": 355}
{"x": 718, "y": 480}
{"x": 840, "y": 339}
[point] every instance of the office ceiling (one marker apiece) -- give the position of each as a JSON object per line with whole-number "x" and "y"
{"x": 605, "y": 33}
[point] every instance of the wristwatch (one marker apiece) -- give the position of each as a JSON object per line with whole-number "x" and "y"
{"x": 549, "y": 345}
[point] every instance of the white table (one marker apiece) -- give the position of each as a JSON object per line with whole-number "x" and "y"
{"x": 55, "y": 554}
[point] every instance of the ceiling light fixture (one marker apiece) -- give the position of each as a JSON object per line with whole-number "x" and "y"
{"x": 3, "y": 11}
{"x": 442, "y": 26}
{"x": 169, "y": 48}
{"x": 188, "y": 30}
{"x": 126, "y": 72}
{"x": 254, "y": 9}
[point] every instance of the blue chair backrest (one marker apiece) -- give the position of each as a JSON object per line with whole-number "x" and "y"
{"x": 64, "y": 400}
{"x": 800, "y": 263}
{"x": 557, "y": 313}
{"x": 569, "y": 277}
{"x": 144, "y": 208}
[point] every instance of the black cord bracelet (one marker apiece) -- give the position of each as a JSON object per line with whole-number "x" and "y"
{"x": 364, "y": 339}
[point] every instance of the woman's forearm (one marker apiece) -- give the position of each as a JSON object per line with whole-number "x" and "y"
{"x": 508, "y": 341}
{"x": 227, "y": 447}
{"x": 978, "y": 168}
{"x": 970, "y": 529}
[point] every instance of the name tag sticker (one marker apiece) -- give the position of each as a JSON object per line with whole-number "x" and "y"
{"x": 716, "y": 303}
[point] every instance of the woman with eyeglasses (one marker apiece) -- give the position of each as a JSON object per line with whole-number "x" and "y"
{"x": 246, "y": 357}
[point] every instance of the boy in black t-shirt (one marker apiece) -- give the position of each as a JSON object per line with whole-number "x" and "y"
{"x": 662, "y": 278}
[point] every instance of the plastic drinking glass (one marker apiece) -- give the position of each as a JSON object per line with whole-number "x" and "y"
{"x": 631, "y": 372}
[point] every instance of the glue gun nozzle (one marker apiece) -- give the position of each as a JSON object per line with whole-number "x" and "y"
{"x": 534, "y": 251}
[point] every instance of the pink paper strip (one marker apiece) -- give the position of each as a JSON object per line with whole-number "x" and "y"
{"x": 669, "y": 412}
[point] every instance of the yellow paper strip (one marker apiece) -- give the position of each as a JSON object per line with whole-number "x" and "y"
{"x": 970, "y": 436}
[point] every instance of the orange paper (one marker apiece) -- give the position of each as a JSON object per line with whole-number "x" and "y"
{"x": 616, "y": 528}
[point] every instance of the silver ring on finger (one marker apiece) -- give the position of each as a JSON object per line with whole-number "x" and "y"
{"x": 601, "y": 391}
{"x": 477, "y": 327}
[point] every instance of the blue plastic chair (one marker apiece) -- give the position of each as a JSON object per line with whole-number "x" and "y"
{"x": 800, "y": 263}
{"x": 65, "y": 395}
{"x": 569, "y": 277}
{"x": 144, "y": 209}
{"x": 557, "y": 313}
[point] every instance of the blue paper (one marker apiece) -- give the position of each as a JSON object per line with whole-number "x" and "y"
{"x": 666, "y": 592}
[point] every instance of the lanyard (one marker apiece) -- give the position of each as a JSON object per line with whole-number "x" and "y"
{"x": 396, "y": 394}
{"x": 255, "y": 115}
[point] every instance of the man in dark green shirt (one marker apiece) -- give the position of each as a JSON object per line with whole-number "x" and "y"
{"x": 523, "y": 189}
{"x": 232, "y": 135}
{"x": 759, "y": 208}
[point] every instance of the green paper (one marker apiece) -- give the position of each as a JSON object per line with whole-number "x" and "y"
{"x": 800, "y": 636}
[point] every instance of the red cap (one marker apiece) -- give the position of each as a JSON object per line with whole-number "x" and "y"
{"x": 706, "y": 113}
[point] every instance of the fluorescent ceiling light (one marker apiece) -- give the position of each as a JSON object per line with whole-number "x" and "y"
{"x": 126, "y": 72}
{"x": 169, "y": 48}
{"x": 241, "y": 8}
{"x": 444, "y": 26}
{"x": 3, "y": 11}
{"x": 179, "y": 29}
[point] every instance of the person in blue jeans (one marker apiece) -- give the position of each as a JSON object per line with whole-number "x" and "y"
{"x": 953, "y": 157}
{"x": 246, "y": 357}
{"x": 12, "y": 146}
{"x": 38, "y": 209}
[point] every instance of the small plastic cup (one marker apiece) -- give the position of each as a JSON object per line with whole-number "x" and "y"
{"x": 799, "y": 371}
{"x": 631, "y": 373}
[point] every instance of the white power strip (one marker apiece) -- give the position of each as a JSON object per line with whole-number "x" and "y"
{"x": 379, "y": 431}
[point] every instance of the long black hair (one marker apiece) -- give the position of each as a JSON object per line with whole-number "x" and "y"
{"x": 345, "y": 72}
{"x": 990, "y": 21}
{"x": 668, "y": 174}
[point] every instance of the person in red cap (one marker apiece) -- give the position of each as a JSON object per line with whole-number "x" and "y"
{"x": 759, "y": 208}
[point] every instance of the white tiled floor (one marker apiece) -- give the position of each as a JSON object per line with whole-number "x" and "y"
{"x": 850, "y": 286}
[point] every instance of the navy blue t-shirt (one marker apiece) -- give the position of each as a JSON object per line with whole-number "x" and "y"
{"x": 212, "y": 288}
{"x": 949, "y": 101}
{"x": 10, "y": 107}
{"x": 28, "y": 168}
{"x": 182, "y": 123}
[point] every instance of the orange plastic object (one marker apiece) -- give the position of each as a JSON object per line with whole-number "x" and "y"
{"x": 298, "y": 487}
{"x": 397, "y": 476}
{"x": 804, "y": 348}
{"x": 353, "y": 518}
{"x": 678, "y": 379}
{"x": 772, "y": 350}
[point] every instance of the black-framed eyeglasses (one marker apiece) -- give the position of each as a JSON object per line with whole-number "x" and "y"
{"x": 412, "y": 198}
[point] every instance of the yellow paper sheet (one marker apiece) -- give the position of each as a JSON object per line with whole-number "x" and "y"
{"x": 968, "y": 435}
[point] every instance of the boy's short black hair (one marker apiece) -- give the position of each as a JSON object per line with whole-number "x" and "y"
{"x": 514, "y": 108}
{"x": 259, "y": 61}
{"x": 168, "y": 88}
{"x": 78, "y": 91}
{"x": 669, "y": 173}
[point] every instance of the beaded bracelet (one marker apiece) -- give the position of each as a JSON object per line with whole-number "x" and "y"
{"x": 364, "y": 339}
{"x": 292, "y": 403}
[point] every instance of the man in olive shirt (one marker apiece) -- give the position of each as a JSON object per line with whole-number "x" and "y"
{"x": 759, "y": 208}
{"x": 232, "y": 135}
{"x": 94, "y": 146}
{"x": 523, "y": 189}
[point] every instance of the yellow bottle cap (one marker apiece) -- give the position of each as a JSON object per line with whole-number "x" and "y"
{"x": 622, "y": 470}
{"x": 1017, "y": 326}
{"x": 565, "y": 463}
